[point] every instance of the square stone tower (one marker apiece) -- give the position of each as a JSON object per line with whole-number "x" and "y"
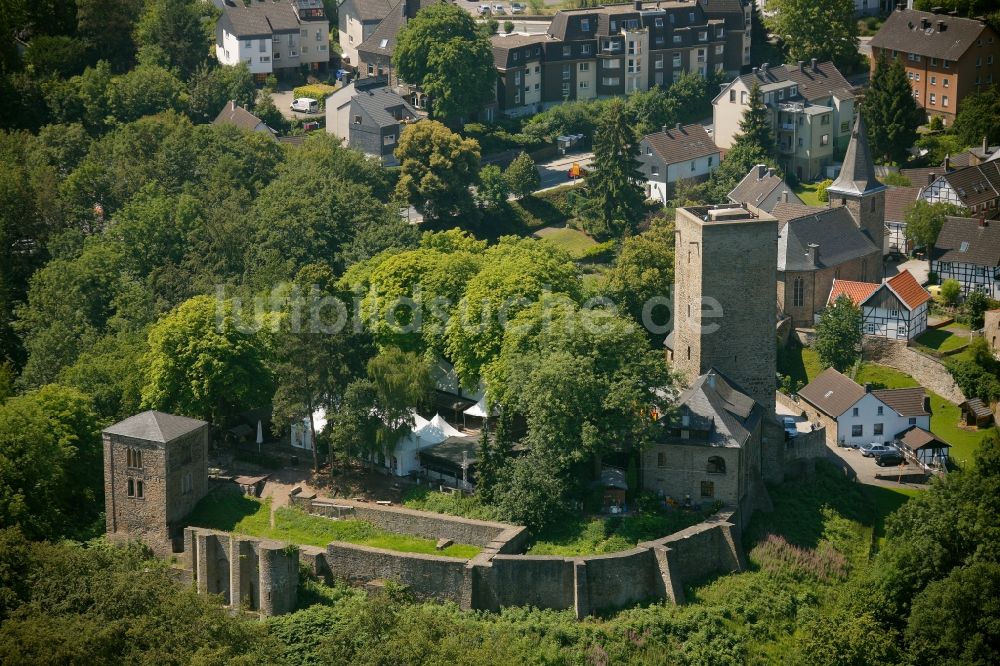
{"x": 857, "y": 188}
{"x": 725, "y": 296}
{"x": 155, "y": 472}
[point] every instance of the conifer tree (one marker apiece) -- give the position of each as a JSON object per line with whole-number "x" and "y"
{"x": 753, "y": 145}
{"x": 755, "y": 125}
{"x": 614, "y": 193}
{"x": 891, "y": 114}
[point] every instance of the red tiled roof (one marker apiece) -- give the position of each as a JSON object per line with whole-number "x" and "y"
{"x": 908, "y": 289}
{"x": 856, "y": 291}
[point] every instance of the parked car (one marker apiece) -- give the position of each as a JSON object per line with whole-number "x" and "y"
{"x": 498, "y": 9}
{"x": 517, "y": 8}
{"x": 305, "y": 105}
{"x": 875, "y": 449}
{"x": 789, "y": 424}
{"x": 891, "y": 458}
{"x": 484, "y": 10}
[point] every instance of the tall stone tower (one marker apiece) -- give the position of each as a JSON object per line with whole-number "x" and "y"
{"x": 155, "y": 471}
{"x": 725, "y": 296}
{"x": 857, "y": 188}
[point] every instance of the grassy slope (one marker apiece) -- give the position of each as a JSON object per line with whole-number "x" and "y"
{"x": 596, "y": 535}
{"x": 944, "y": 415}
{"x": 245, "y": 515}
{"x": 945, "y": 339}
{"x": 571, "y": 240}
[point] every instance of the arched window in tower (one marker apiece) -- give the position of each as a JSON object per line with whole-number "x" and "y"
{"x": 716, "y": 465}
{"x": 798, "y": 292}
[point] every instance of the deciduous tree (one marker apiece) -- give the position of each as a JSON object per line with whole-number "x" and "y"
{"x": 522, "y": 176}
{"x": 821, "y": 30}
{"x": 442, "y": 51}
{"x": 977, "y": 119}
{"x": 838, "y": 334}
{"x": 437, "y": 168}
{"x": 173, "y": 28}
{"x": 924, "y": 221}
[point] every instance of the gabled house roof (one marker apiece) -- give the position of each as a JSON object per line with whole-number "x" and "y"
{"x": 832, "y": 229}
{"x": 233, "y": 114}
{"x": 504, "y": 44}
{"x": 915, "y": 438}
{"x": 716, "y": 406}
{"x": 898, "y": 200}
{"x": 813, "y": 83}
{"x": 928, "y": 34}
{"x": 968, "y": 241}
{"x": 371, "y": 10}
{"x": 908, "y": 290}
{"x": 905, "y": 401}
{"x": 383, "y": 106}
{"x": 382, "y": 41}
{"x": 975, "y": 184}
{"x": 903, "y": 285}
{"x": 674, "y": 145}
{"x": 857, "y": 175}
{"x": 154, "y": 426}
{"x": 832, "y": 392}
{"x": 858, "y": 292}
{"x": 259, "y": 19}
{"x": 758, "y": 185}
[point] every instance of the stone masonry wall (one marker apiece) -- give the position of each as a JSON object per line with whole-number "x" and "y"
{"x": 929, "y": 372}
{"x": 426, "y": 576}
{"x": 400, "y": 520}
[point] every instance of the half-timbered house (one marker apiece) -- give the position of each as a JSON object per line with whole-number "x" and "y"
{"x": 895, "y": 309}
{"x": 968, "y": 250}
{"x": 975, "y": 187}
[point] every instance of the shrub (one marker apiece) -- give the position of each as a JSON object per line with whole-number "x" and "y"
{"x": 950, "y": 292}
{"x": 316, "y": 91}
{"x": 936, "y": 124}
{"x": 821, "y": 189}
{"x": 896, "y": 178}
{"x": 508, "y": 27}
{"x": 599, "y": 252}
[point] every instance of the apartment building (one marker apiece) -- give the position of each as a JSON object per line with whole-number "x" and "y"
{"x": 945, "y": 57}
{"x": 812, "y": 110}
{"x": 272, "y": 35}
{"x": 619, "y": 49}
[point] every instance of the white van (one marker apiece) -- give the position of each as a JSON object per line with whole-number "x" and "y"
{"x": 305, "y": 105}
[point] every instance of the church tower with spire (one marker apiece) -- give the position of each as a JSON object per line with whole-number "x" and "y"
{"x": 858, "y": 190}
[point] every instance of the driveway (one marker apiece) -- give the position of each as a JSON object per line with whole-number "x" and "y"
{"x": 283, "y": 100}
{"x": 556, "y": 172}
{"x": 864, "y": 469}
{"x": 917, "y": 267}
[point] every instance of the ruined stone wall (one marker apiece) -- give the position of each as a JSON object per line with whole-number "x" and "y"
{"x": 929, "y": 372}
{"x": 249, "y": 573}
{"x": 426, "y": 576}
{"x": 524, "y": 580}
{"x": 400, "y": 520}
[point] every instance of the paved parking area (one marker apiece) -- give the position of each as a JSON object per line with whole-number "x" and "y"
{"x": 556, "y": 172}
{"x": 864, "y": 469}
{"x": 283, "y": 100}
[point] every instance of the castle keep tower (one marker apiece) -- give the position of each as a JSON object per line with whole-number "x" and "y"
{"x": 155, "y": 471}
{"x": 857, "y": 188}
{"x": 724, "y": 303}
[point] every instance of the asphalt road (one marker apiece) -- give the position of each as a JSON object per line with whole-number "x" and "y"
{"x": 555, "y": 172}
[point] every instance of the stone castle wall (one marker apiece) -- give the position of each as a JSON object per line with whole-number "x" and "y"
{"x": 929, "y": 372}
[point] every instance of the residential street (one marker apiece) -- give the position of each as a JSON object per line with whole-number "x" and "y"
{"x": 554, "y": 172}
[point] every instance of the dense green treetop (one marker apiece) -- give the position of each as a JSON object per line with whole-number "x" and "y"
{"x": 838, "y": 334}
{"x": 437, "y": 166}
{"x": 614, "y": 192}
{"x": 891, "y": 114}
{"x": 822, "y": 30}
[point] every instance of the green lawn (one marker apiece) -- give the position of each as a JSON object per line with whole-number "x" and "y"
{"x": 807, "y": 192}
{"x": 244, "y": 515}
{"x": 803, "y": 364}
{"x": 608, "y": 535}
{"x": 945, "y": 339}
{"x": 575, "y": 242}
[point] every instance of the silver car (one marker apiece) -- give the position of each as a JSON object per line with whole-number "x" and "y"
{"x": 875, "y": 449}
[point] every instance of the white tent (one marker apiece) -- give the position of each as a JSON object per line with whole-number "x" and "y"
{"x": 301, "y": 436}
{"x": 404, "y": 459}
{"x": 479, "y": 409}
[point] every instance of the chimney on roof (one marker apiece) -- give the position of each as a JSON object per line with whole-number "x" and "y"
{"x": 755, "y": 71}
{"x": 665, "y": 128}
{"x": 925, "y": 23}
{"x": 784, "y": 196}
{"x": 813, "y": 61}
{"x": 947, "y": 162}
{"x": 813, "y": 254}
{"x": 940, "y": 25}
{"x": 677, "y": 126}
{"x": 769, "y": 172}
{"x": 986, "y": 145}
{"x": 763, "y": 70}
{"x": 868, "y": 387}
{"x": 931, "y": 177}
{"x": 802, "y": 65}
